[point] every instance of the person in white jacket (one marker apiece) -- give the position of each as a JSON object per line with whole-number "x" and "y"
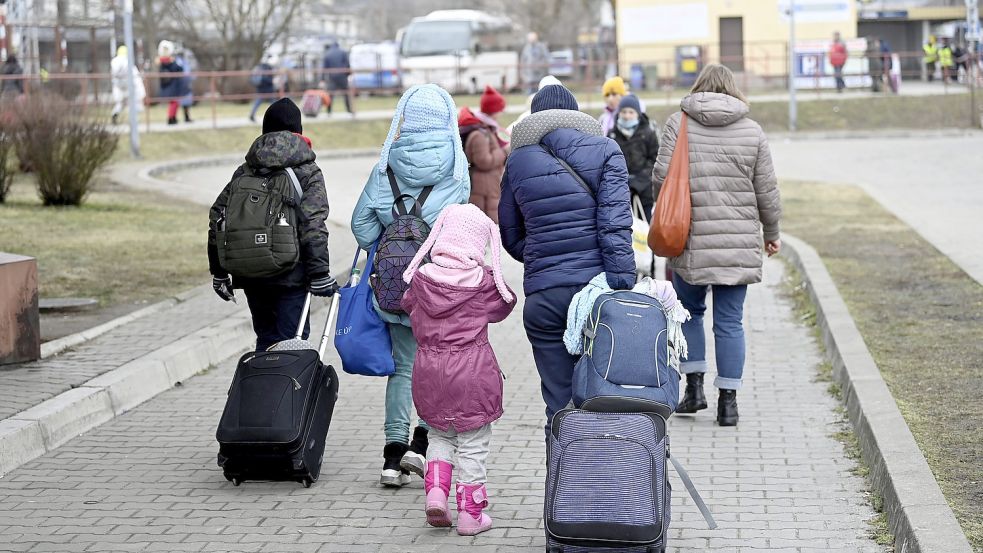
{"x": 120, "y": 94}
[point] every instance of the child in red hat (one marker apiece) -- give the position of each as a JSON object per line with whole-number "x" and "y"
{"x": 486, "y": 145}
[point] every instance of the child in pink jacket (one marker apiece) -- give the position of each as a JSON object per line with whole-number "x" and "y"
{"x": 457, "y": 383}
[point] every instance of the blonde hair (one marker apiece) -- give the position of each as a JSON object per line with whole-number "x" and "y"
{"x": 719, "y": 79}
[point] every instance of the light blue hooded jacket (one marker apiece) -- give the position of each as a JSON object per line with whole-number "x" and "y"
{"x": 427, "y": 152}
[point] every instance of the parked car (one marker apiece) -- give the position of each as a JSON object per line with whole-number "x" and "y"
{"x": 375, "y": 67}
{"x": 562, "y": 63}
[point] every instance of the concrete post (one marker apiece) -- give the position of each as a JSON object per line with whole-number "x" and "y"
{"x": 20, "y": 328}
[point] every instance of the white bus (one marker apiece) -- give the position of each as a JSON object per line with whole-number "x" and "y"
{"x": 460, "y": 50}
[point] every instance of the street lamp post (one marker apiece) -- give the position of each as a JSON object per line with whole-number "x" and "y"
{"x": 973, "y": 36}
{"x": 131, "y": 92}
{"x": 793, "y": 108}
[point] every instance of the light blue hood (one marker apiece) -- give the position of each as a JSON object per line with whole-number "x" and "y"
{"x": 422, "y": 159}
{"x": 418, "y": 160}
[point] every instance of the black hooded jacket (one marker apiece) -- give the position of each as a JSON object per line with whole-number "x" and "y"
{"x": 270, "y": 152}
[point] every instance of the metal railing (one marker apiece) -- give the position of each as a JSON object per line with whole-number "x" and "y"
{"x": 216, "y": 91}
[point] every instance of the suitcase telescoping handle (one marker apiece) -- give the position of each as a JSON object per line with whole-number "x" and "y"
{"x": 304, "y": 313}
{"x": 328, "y": 324}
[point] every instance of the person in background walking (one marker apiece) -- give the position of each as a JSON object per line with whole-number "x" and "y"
{"x": 117, "y": 68}
{"x": 931, "y": 57}
{"x": 887, "y": 58}
{"x": 961, "y": 56}
{"x": 8, "y": 86}
{"x": 336, "y": 71}
{"x": 734, "y": 194}
{"x": 639, "y": 143}
{"x": 262, "y": 79}
{"x": 837, "y": 58}
{"x": 534, "y": 62}
{"x": 423, "y": 149}
{"x": 276, "y": 303}
{"x": 457, "y": 383}
{"x": 613, "y": 90}
{"x": 171, "y": 88}
{"x": 947, "y": 61}
{"x": 875, "y": 63}
{"x": 486, "y": 145}
{"x": 565, "y": 233}
{"x": 187, "y": 81}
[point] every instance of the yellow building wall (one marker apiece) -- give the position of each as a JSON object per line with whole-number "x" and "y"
{"x": 765, "y": 32}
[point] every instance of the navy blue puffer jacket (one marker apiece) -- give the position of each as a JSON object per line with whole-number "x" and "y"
{"x": 566, "y": 235}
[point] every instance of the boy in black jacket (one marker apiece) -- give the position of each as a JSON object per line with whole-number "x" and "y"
{"x": 640, "y": 145}
{"x": 276, "y": 302}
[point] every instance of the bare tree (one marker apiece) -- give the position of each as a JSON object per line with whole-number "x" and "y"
{"x": 558, "y": 22}
{"x": 223, "y": 34}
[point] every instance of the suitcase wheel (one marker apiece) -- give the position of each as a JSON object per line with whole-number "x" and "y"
{"x": 236, "y": 481}
{"x": 307, "y": 482}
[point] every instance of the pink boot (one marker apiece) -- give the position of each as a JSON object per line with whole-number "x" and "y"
{"x": 437, "y": 483}
{"x": 471, "y": 499}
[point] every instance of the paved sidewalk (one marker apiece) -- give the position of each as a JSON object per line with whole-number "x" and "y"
{"x": 147, "y": 480}
{"x": 26, "y": 385}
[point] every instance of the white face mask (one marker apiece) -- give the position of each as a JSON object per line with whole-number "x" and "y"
{"x": 627, "y": 124}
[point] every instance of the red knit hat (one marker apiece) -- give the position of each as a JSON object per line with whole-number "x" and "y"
{"x": 491, "y": 101}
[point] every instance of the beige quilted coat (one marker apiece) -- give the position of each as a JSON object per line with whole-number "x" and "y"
{"x": 733, "y": 189}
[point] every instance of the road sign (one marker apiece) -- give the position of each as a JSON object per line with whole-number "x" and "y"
{"x": 972, "y": 20}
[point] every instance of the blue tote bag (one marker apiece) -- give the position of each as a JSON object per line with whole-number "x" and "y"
{"x": 361, "y": 336}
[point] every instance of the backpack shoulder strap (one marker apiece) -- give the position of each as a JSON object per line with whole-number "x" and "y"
{"x": 293, "y": 180}
{"x": 398, "y": 196}
{"x": 576, "y": 176}
{"x": 423, "y": 198}
{"x": 398, "y": 205}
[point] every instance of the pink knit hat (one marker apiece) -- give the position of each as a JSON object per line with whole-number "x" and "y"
{"x": 458, "y": 240}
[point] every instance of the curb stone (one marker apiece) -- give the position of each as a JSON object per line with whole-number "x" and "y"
{"x": 39, "y": 429}
{"x": 918, "y": 515}
{"x": 54, "y": 347}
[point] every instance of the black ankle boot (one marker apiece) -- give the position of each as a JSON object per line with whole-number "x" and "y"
{"x": 415, "y": 459}
{"x": 392, "y": 475}
{"x": 727, "y": 408}
{"x": 693, "y": 399}
{"x": 187, "y": 115}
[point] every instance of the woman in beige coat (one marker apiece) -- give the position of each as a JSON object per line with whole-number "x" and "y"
{"x": 735, "y": 197}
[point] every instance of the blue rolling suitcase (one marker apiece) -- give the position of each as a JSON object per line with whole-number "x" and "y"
{"x": 607, "y": 486}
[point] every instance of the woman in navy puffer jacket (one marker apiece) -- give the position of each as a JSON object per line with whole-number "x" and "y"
{"x": 563, "y": 233}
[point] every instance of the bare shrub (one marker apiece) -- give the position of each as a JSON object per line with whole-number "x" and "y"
{"x": 62, "y": 147}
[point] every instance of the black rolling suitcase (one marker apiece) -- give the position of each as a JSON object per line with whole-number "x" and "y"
{"x": 278, "y": 411}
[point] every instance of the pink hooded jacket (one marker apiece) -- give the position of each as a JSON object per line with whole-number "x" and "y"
{"x": 457, "y": 382}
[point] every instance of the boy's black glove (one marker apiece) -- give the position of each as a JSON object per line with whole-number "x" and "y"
{"x": 223, "y": 288}
{"x": 325, "y": 286}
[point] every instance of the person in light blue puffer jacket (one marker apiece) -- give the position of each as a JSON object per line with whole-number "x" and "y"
{"x": 423, "y": 148}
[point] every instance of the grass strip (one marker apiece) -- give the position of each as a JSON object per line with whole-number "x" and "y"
{"x": 120, "y": 246}
{"x": 922, "y": 319}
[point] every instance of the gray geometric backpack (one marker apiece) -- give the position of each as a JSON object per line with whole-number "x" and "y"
{"x": 398, "y": 244}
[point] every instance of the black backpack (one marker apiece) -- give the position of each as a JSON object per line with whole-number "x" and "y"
{"x": 256, "y": 234}
{"x": 398, "y": 245}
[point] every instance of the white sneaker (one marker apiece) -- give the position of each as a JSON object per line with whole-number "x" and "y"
{"x": 414, "y": 462}
{"x": 394, "y": 478}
